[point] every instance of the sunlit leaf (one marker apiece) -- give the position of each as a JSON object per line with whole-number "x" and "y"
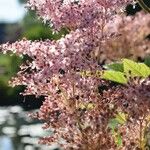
{"x": 115, "y": 76}
{"x": 121, "y": 118}
{"x": 135, "y": 69}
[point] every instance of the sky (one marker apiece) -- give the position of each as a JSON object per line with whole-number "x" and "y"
{"x": 11, "y": 11}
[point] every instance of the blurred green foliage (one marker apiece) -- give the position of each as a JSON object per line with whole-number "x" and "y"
{"x": 9, "y": 65}
{"x": 34, "y": 29}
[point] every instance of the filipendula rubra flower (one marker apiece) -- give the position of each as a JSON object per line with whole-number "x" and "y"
{"x": 74, "y": 108}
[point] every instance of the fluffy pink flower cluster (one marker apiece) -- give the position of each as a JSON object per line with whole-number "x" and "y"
{"x": 76, "y": 13}
{"x": 73, "y": 106}
{"x": 132, "y": 42}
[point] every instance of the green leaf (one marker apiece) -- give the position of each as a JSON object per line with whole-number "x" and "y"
{"x": 147, "y": 61}
{"x": 113, "y": 123}
{"x": 136, "y": 69}
{"x": 115, "y": 66}
{"x": 115, "y": 76}
{"x": 121, "y": 118}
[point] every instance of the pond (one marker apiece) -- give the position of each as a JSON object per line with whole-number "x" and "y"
{"x": 19, "y": 132}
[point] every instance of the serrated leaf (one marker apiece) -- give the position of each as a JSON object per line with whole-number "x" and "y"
{"x": 115, "y": 76}
{"x": 136, "y": 69}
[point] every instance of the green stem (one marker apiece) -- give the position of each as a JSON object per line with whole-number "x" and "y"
{"x": 143, "y": 5}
